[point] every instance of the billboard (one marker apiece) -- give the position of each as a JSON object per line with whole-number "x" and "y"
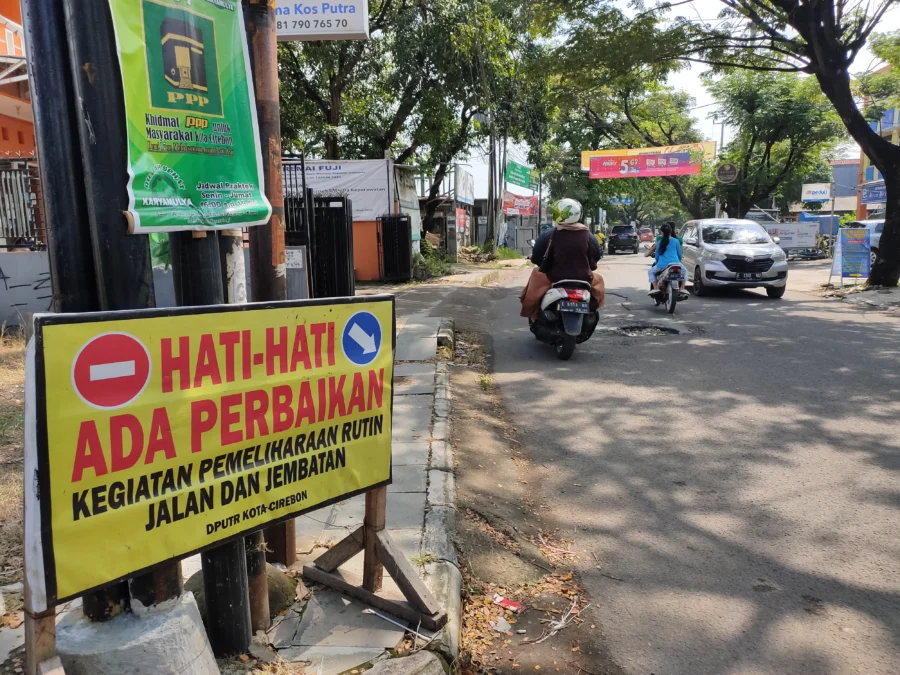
{"x": 465, "y": 186}
{"x": 516, "y": 205}
{"x": 408, "y": 197}
{"x": 706, "y": 149}
{"x": 163, "y": 432}
{"x": 645, "y": 166}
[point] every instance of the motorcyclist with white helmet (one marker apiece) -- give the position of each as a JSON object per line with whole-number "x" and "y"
{"x": 568, "y": 251}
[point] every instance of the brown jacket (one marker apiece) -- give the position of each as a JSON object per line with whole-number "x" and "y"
{"x": 539, "y": 283}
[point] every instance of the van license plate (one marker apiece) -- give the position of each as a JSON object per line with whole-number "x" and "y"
{"x": 746, "y": 276}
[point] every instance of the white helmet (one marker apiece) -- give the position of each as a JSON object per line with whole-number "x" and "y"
{"x": 567, "y": 211}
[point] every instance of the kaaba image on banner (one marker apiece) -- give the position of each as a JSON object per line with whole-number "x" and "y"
{"x": 182, "y": 63}
{"x": 183, "y": 54}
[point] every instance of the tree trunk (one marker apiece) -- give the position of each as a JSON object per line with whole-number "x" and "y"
{"x": 886, "y": 271}
{"x": 886, "y": 158}
{"x": 433, "y": 194}
{"x": 334, "y": 121}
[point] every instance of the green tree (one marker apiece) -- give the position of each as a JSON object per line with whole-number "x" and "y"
{"x": 783, "y": 126}
{"x": 821, "y": 39}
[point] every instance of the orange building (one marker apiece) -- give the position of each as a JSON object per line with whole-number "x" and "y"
{"x": 16, "y": 122}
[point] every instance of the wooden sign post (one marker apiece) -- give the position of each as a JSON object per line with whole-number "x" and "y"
{"x": 380, "y": 552}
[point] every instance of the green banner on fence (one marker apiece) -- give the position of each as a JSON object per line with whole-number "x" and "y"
{"x": 194, "y": 159}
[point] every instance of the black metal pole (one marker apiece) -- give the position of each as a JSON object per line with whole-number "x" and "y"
{"x": 121, "y": 261}
{"x": 65, "y": 216}
{"x": 197, "y": 274}
{"x": 122, "y": 268}
{"x": 59, "y": 158}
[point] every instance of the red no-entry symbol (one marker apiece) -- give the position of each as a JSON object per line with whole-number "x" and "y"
{"x": 111, "y": 370}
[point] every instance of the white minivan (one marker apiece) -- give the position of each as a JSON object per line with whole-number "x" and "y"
{"x": 729, "y": 252}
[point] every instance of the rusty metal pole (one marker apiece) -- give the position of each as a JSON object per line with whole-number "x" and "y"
{"x": 267, "y": 264}
{"x": 268, "y": 272}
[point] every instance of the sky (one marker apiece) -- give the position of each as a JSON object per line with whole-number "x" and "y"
{"x": 687, "y": 79}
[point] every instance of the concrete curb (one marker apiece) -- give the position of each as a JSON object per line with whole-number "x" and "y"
{"x": 442, "y": 576}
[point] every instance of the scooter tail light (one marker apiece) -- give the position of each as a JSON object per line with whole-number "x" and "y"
{"x": 576, "y": 294}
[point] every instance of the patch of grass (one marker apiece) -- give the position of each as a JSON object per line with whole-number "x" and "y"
{"x": 422, "y": 560}
{"x": 488, "y": 279}
{"x": 505, "y": 253}
{"x": 486, "y": 382}
{"x": 12, "y": 426}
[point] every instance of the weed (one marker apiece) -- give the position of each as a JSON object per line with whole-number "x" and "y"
{"x": 422, "y": 560}
{"x": 486, "y": 382}
{"x": 488, "y": 279}
{"x": 505, "y": 253}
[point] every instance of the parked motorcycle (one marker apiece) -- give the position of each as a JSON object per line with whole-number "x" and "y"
{"x": 668, "y": 292}
{"x": 566, "y": 319}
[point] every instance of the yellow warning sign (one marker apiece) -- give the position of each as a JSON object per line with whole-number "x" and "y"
{"x": 163, "y": 432}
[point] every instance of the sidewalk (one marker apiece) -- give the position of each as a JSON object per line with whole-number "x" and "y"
{"x": 331, "y": 633}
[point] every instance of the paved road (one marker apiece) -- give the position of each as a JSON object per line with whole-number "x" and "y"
{"x": 742, "y": 477}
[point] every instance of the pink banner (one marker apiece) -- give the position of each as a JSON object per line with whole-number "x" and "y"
{"x": 645, "y": 166}
{"x": 516, "y": 205}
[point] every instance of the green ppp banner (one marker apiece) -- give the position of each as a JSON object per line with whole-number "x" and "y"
{"x": 194, "y": 159}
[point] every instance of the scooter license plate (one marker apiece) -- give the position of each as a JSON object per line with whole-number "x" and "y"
{"x": 746, "y": 276}
{"x": 578, "y": 307}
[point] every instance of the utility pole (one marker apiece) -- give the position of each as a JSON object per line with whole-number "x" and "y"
{"x": 197, "y": 274}
{"x": 491, "y": 234}
{"x": 122, "y": 268}
{"x": 268, "y": 270}
{"x": 72, "y": 278}
{"x": 719, "y": 156}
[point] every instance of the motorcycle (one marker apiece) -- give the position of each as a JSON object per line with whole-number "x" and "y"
{"x": 668, "y": 292}
{"x": 566, "y": 319}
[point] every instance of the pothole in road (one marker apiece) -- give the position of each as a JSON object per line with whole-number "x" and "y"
{"x": 646, "y": 330}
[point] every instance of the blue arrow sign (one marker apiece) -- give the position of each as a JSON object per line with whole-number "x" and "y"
{"x": 361, "y": 340}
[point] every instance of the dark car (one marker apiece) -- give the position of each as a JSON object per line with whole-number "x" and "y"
{"x": 623, "y": 238}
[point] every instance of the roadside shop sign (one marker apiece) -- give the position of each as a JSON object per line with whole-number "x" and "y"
{"x": 816, "y": 192}
{"x": 726, "y": 173}
{"x": 194, "y": 160}
{"x": 794, "y": 235}
{"x": 853, "y": 253}
{"x": 705, "y": 150}
{"x": 154, "y": 434}
{"x": 645, "y": 166}
{"x": 317, "y": 20}
{"x": 874, "y": 192}
{"x": 366, "y": 182}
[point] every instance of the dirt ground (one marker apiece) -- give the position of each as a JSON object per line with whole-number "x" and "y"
{"x": 504, "y": 548}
